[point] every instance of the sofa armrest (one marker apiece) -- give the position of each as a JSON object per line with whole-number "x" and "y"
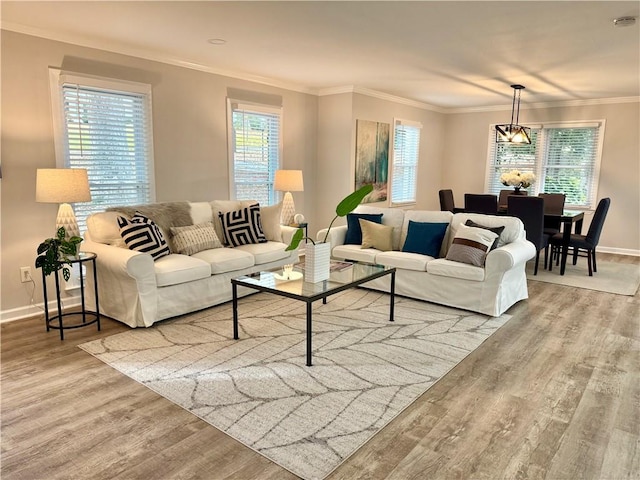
{"x": 509, "y": 256}
{"x": 336, "y": 236}
{"x": 123, "y": 262}
{"x": 287, "y": 233}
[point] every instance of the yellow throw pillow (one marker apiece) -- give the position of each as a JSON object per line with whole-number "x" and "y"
{"x": 376, "y": 235}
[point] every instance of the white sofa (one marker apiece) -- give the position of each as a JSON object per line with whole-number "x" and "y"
{"x": 490, "y": 290}
{"x": 138, "y": 291}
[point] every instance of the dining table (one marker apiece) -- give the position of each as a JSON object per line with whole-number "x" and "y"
{"x": 567, "y": 219}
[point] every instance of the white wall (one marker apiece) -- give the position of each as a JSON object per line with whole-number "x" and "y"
{"x": 465, "y": 160}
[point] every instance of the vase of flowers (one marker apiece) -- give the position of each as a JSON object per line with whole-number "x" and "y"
{"x": 517, "y": 179}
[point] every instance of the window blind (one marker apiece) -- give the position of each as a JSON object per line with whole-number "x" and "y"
{"x": 507, "y": 156}
{"x": 255, "y": 152}
{"x": 108, "y": 133}
{"x": 406, "y": 149}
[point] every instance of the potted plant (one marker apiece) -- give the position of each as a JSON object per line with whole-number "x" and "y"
{"x": 317, "y": 255}
{"x": 517, "y": 179}
{"x": 54, "y": 253}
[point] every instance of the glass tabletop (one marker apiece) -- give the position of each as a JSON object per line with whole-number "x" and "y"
{"x": 293, "y": 285}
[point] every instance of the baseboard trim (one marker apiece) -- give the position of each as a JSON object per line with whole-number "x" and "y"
{"x": 29, "y": 311}
{"x": 619, "y": 251}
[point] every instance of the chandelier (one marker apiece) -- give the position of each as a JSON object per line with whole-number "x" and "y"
{"x": 512, "y": 132}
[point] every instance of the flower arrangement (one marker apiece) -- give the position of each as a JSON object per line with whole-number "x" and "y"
{"x": 517, "y": 179}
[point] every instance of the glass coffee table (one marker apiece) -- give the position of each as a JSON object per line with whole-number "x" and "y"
{"x": 295, "y": 287}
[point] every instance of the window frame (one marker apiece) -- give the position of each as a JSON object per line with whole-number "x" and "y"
{"x": 258, "y": 108}
{"x": 399, "y": 122}
{"x": 541, "y": 157}
{"x": 58, "y": 78}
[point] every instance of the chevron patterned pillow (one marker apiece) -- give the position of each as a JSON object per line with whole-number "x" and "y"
{"x": 143, "y": 235}
{"x": 242, "y": 227}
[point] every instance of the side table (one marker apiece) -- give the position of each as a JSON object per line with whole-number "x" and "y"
{"x": 55, "y": 321}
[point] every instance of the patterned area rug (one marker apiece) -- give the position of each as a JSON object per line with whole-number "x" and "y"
{"x": 259, "y": 391}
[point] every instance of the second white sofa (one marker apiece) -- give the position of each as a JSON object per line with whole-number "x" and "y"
{"x": 489, "y": 289}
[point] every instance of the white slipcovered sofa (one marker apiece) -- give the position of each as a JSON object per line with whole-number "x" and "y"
{"x": 138, "y": 291}
{"x": 490, "y": 289}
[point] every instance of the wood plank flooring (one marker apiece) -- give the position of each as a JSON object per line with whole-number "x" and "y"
{"x": 554, "y": 394}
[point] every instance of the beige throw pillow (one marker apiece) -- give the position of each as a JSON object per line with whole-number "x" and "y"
{"x": 270, "y": 218}
{"x": 376, "y": 235}
{"x": 195, "y": 238}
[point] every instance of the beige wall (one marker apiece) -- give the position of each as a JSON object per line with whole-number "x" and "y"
{"x": 190, "y": 145}
{"x": 466, "y": 156}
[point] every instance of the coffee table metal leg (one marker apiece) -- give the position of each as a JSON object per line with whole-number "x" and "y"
{"x": 392, "y": 296}
{"x": 234, "y": 288}
{"x": 308, "y": 334}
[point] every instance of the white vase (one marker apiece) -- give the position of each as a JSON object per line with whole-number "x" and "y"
{"x": 317, "y": 262}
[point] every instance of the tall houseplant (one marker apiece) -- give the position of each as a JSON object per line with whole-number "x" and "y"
{"x": 54, "y": 253}
{"x": 317, "y": 254}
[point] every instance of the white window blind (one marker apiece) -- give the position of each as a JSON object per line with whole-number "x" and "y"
{"x": 565, "y": 158}
{"x": 406, "y": 149}
{"x": 106, "y": 128}
{"x": 255, "y": 147}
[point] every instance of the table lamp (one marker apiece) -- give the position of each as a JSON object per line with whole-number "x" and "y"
{"x": 63, "y": 186}
{"x": 288, "y": 181}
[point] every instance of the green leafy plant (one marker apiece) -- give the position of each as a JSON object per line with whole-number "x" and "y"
{"x": 54, "y": 253}
{"x": 346, "y": 206}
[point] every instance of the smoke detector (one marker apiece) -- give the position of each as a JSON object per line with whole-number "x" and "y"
{"x": 624, "y": 21}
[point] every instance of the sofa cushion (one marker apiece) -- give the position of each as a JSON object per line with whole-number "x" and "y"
{"x": 222, "y": 206}
{"x": 143, "y": 235}
{"x": 195, "y": 238}
{"x": 471, "y": 245}
{"x": 404, "y": 260}
{"x": 354, "y": 252}
{"x": 201, "y": 212}
{"x": 265, "y": 252}
{"x": 270, "y": 218}
{"x": 103, "y": 228}
{"x": 242, "y": 227}
{"x": 427, "y": 216}
{"x": 222, "y": 260}
{"x": 175, "y": 269}
{"x": 354, "y": 232}
{"x": 448, "y": 268}
{"x": 425, "y": 238}
{"x": 376, "y": 235}
{"x": 392, "y": 217}
{"x": 513, "y": 227}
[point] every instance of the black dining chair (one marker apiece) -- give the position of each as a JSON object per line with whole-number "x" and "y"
{"x": 584, "y": 245}
{"x": 553, "y": 205}
{"x": 480, "y": 203}
{"x": 447, "y": 204}
{"x": 504, "y": 194}
{"x": 531, "y": 211}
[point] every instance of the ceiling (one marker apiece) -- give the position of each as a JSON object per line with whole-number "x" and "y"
{"x": 449, "y": 55}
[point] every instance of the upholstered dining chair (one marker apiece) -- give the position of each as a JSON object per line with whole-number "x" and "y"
{"x": 531, "y": 211}
{"x": 584, "y": 245}
{"x": 447, "y": 204}
{"x": 504, "y": 194}
{"x": 480, "y": 203}
{"x": 553, "y": 205}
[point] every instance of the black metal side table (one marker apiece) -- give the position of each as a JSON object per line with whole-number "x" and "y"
{"x": 55, "y": 321}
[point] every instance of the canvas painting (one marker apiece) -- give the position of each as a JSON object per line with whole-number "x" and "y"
{"x": 372, "y": 158}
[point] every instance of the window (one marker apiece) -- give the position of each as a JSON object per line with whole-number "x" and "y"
{"x": 104, "y": 126}
{"x": 565, "y": 158}
{"x": 406, "y": 148}
{"x": 254, "y": 151}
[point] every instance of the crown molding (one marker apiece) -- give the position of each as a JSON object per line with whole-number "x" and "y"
{"x": 156, "y": 57}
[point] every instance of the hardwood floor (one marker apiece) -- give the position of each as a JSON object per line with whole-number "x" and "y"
{"x": 554, "y": 394}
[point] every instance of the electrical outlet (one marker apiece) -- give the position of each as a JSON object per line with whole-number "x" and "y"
{"x": 25, "y": 274}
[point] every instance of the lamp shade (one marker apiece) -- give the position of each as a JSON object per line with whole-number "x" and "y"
{"x": 62, "y": 185}
{"x": 288, "y": 181}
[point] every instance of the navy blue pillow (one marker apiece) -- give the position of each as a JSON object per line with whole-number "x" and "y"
{"x": 425, "y": 238}
{"x": 354, "y": 232}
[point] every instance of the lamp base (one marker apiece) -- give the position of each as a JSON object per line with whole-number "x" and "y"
{"x": 288, "y": 209}
{"x": 67, "y": 219}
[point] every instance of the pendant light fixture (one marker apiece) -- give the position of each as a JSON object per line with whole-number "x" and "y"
{"x": 512, "y": 132}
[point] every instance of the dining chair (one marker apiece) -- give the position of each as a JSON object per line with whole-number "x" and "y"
{"x": 447, "y": 204}
{"x": 504, "y": 194}
{"x": 585, "y": 244}
{"x": 480, "y": 203}
{"x": 553, "y": 205}
{"x": 531, "y": 211}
